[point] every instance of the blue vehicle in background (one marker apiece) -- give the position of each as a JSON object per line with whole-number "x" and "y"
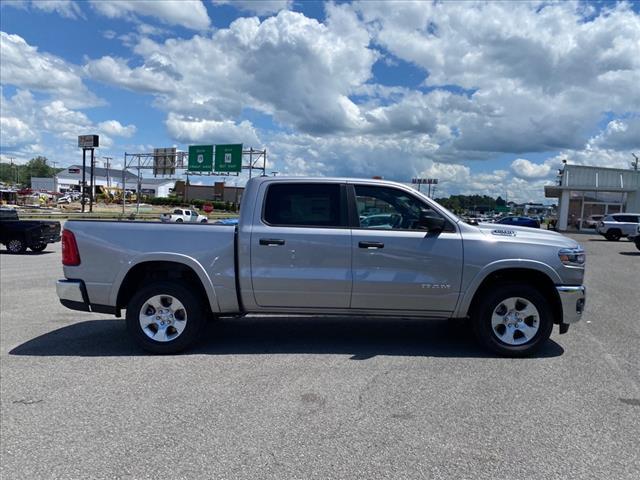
{"x": 227, "y": 221}
{"x": 520, "y": 222}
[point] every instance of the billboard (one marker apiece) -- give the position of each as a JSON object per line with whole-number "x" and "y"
{"x": 164, "y": 161}
{"x": 228, "y": 158}
{"x": 200, "y": 158}
{"x": 88, "y": 141}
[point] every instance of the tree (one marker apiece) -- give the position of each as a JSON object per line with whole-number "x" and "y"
{"x": 500, "y": 202}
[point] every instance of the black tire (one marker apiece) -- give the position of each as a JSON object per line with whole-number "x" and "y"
{"x": 40, "y": 247}
{"x": 637, "y": 242}
{"x": 492, "y": 299}
{"x": 194, "y": 307}
{"x": 16, "y": 245}
{"x": 613, "y": 235}
{"x": 179, "y": 220}
{"x": 203, "y": 220}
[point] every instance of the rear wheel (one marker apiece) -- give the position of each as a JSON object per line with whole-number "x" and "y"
{"x": 613, "y": 235}
{"x": 16, "y": 245}
{"x": 165, "y": 317}
{"x": 38, "y": 247}
{"x": 513, "y": 320}
{"x": 179, "y": 220}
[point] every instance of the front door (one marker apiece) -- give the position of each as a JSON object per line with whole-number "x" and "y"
{"x": 301, "y": 247}
{"x": 396, "y": 264}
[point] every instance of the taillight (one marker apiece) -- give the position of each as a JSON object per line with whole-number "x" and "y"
{"x": 70, "y": 253}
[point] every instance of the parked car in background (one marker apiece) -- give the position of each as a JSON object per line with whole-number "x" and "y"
{"x": 227, "y": 221}
{"x": 520, "y": 222}
{"x": 614, "y": 227}
{"x": 18, "y": 235}
{"x": 181, "y": 215}
{"x": 592, "y": 221}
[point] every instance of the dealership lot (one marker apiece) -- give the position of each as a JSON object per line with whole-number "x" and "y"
{"x": 288, "y": 397}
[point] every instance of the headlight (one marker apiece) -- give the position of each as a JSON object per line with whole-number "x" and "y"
{"x": 573, "y": 257}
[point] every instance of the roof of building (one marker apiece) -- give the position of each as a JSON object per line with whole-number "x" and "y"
{"x": 157, "y": 181}
{"x": 98, "y": 172}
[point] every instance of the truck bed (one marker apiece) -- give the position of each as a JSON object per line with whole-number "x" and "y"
{"x": 108, "y": 250}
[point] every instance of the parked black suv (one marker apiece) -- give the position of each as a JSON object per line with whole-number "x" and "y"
{"x": 18, "y": 234}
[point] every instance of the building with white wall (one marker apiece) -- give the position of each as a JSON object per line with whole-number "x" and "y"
{"x": 583, "y": 191}
{"x": 71, "y": 179}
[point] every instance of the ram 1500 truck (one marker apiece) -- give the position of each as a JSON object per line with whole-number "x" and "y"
{"x": 304, "y": 246}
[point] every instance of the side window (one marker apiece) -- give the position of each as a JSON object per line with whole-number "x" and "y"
{"x": 177, "y": 212}
{"x": 305, "y": 205}
{"x": 618, "y": 218}
{"x": 386, "y": 208}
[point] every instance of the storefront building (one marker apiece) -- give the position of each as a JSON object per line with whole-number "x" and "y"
{"x": 585, "y": 193}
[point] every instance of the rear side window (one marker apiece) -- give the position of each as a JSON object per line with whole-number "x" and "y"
{"x": 8, "y": 215}
{"x": 177, "y": 212}
{"x": 305, "y": 205}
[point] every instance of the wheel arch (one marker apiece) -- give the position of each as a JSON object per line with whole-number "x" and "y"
{"x": 532, "y": 275}
{"x": 163, "y": 267}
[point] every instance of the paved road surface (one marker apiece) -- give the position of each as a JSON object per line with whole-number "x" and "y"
{"x": 286, "y": 397}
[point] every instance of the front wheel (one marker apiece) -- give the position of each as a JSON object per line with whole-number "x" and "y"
{"x": 16, "y": 245}
{"x": 513, "y": 320}
{"x": 165, "y": 317}
{"x": 40, "y": 247}
{"x": 613, "y": 235}
{"x": 637, "y": 242}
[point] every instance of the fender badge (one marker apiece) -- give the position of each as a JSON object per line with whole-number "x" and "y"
{"x": 504, "y": 233}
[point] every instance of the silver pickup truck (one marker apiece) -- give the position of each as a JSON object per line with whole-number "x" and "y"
{"x": 304, "y": 246}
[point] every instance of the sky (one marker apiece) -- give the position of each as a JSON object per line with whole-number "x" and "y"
{"x": 487, "y": 97}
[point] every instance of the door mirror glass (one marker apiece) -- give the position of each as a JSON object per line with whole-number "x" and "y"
{"x": 431, "y": 223}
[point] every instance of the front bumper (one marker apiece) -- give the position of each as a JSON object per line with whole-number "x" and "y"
{"x": 573, "y": 300}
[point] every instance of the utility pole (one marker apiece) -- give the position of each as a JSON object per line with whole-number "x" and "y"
{"x": 108, "y": 164}
{"x": 634, "y": 164}
{"x": 11, "y": 159}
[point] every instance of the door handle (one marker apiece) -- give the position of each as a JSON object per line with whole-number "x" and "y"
{"x": 270, "y": 242}
{"x": 371, "y": 245}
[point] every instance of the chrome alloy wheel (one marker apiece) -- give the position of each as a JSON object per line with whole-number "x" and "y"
{"x": 163, "y": 318}
{"x": 515, "y": 321}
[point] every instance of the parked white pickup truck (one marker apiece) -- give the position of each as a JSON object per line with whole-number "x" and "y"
{"x": 180, "y": 215}
{"x": 304, "y": 246}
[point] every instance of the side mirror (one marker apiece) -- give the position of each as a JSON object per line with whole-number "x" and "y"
{"x": 431, "y": 223}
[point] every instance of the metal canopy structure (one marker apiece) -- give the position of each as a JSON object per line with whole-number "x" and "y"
{"x": 251, "y": 160}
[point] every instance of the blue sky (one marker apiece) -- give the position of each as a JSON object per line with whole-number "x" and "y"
{"x": 487, "y": 97}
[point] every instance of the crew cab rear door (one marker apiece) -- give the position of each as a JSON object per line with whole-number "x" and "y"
{"x": 301, "y": 246}
{"x": 397, "y": 265}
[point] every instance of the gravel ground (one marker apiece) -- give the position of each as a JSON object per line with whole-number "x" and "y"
{"x": 284, "y": 397}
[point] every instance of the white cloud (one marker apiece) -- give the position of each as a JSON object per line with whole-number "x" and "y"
{"x": 24, "y": 66}
{"x": 15, "y": 132}
{"x": 259, "y": 7}
{"x": 116, "y": 129}
{"x": 191, "y": 130}
{"x": 523, "y": 168}
{"x": 190, "y": 14}
{"x": 289, "y": 66}
{"x": 145, "y": 79}
{"x": 64, "y": 8}
{"x": 620, "y": 135}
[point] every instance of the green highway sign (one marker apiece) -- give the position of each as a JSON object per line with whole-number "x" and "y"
{"x": 200, "y": 158}
{"x": 228, "y": 158}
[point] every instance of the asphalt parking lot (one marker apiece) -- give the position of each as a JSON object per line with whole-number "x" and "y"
{"x": 286, "y": 397}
